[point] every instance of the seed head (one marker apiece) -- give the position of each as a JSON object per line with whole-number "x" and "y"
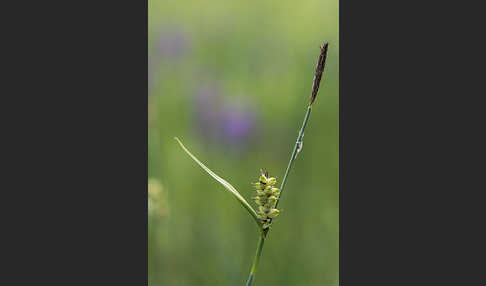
{"x": 266, "y": 199}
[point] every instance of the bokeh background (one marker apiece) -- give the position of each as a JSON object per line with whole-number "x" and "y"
{"x": 232, "y": 80}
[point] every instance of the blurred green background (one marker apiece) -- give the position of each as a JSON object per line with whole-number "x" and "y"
{"x": 232, "y": 80}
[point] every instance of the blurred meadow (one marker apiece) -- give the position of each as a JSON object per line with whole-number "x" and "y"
{"x": 232, "y": 80}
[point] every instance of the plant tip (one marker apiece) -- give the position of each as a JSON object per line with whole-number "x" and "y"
{"x": 321, "y": 62}
{"x": 324, "y": 47}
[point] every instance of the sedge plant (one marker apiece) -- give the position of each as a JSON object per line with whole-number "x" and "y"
{"x": 267, "y": 193}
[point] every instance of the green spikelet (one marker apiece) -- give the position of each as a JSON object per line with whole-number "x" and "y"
{"x": 266, "y": 199}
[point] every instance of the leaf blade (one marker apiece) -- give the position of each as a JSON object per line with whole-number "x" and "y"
{"x": 227, "y": 185}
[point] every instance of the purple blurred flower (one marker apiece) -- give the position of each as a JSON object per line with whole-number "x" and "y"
{"x": 231, "y": 124}
{"x": 238, "y": 123}
{"x": 172, "y": 42}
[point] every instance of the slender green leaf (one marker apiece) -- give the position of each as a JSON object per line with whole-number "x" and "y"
{"x": 227, "y": 185}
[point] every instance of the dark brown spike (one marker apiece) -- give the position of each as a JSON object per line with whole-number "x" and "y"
{"x": 321, "y": 63}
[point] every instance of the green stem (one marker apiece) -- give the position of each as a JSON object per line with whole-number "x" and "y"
{"x": 257, "y": 259}
{"x": 284, "y": 180}
{"x": 294, "y": 152}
